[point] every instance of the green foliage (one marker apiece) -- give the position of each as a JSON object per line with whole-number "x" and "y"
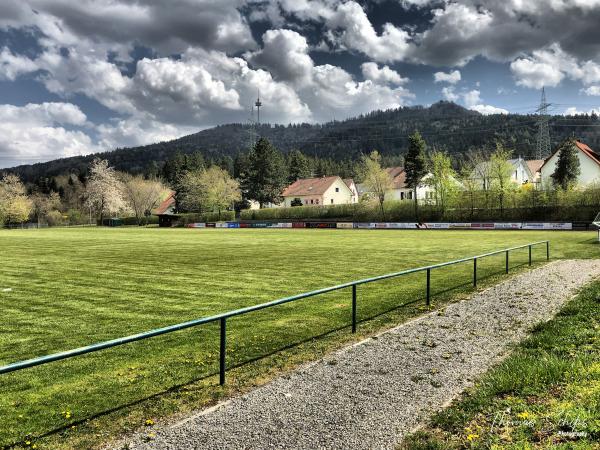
{"x": 376, "y": 178}
{"x": 415, "y": 165}
{"x": 567, "y": 166}
{"x": 416, "y": 160}
{"x": 299, "y": 166}
{"x": 442, "y": 178}
{"x": 266, "y": 174}
{"x": 500, "y": 171}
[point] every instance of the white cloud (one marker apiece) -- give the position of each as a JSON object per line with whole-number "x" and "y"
{"x": 488, "y": 109}
{"x": 549, "y": 66}
{"x": 449, "y": 94}
{"x": 473, "y": 101}
{"x": 11, "y": 66}
{"x": 351, "y": 29}
{"x": 371, "y": 71}
{"x": 573, "y": 111}
{"x": 471, "y": 98}
{"x": 35, "y": 132}
{"x": 592, "y": 90}
{"x": 285, "y": 55}
{"x": 450, "y": 77}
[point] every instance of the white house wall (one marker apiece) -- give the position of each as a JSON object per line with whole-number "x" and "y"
{"x": 338, "y": 194}
{"x": 590, "y": 170}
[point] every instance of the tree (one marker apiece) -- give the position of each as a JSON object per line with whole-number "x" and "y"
{"x": 442, "y": 178}
{"x": 299, "y": 166}
{"x": 470, "y": 185}
{"x": 500, "y": 174}
{"x": 142, "y": 195}
{"x": 266, "y": 175}
{"x": 376, "y": 178}
{"x": 567, "y": 167}
{"x": 415, "y": 165}
{"x": 104, "y": 189}
{"x": 209, "y": 190}
{"x": 15, "y": 205}
{"x": 44, "y": 204}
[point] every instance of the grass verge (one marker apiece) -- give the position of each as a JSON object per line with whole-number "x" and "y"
{"x": 546, "y": 394}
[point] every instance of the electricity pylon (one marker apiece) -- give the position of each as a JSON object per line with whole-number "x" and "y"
{"x": 543, "y": 137}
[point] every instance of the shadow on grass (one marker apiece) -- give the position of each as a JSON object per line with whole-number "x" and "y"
{"x": 176, "y": 388}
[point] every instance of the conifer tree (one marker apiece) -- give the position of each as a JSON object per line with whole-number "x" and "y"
{"x": 567, "y": 167}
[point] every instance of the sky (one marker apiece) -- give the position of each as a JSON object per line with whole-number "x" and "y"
{"x": 93, "y": 75}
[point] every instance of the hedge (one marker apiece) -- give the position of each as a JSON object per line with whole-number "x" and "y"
{"x": 403, "y": 211}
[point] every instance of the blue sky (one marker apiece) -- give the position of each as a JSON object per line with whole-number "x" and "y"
{"x": 93, "y": 75}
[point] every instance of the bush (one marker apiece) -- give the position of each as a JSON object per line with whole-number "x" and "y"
{"x": 55, "y": 218}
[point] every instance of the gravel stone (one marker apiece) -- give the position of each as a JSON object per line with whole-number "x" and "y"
{"x": 369, "y": 396}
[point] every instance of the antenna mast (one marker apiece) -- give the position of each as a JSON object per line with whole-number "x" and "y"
{"x": 258, "y": 104}
{"x": 543, "y": 138}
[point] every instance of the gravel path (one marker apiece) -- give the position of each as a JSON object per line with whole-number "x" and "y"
{"x": 369, "y": 395}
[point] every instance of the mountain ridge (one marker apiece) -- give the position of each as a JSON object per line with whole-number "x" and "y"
{"x": 444, "y": 125}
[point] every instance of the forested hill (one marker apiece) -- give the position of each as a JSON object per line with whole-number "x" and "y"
{"x": 444, "y": 125}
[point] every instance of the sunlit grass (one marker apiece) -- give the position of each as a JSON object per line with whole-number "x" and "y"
{"x": 73, "y": 287}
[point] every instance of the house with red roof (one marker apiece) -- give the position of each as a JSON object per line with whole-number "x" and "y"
{"x": 589, "y": 165}
{"x": 401, "y": 191}
{"x": 318, "y": 192}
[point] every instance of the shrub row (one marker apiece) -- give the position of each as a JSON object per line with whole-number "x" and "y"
{"x": 399, "y": 211}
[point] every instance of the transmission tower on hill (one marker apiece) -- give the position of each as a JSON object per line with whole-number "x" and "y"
{"x": 543, "y": 137}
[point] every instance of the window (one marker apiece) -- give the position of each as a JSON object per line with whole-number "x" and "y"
{"x": 317, "y": 201}
{"x": 332, "y": 201}
{"x": 337, "y": 189}
{"x": 409, "y": 195}
{"x": 311, "y": 201}
{"x": 401, "y": 195}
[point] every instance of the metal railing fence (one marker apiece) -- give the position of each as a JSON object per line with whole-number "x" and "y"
{"x": 222, "y": 318}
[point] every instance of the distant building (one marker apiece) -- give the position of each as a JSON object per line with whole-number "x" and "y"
{"x": 353, "y": 187}
{"x": 166, "y": 211}
{"x": 319, "y": 192}
{"x": 400, "y": 190}
{"x": 521, "y": 172}
{"x": 589, "y": 164}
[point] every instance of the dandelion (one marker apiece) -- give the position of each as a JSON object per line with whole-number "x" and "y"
{"x": 149, "y": 422}
{"x": 471, "y": 437}
{"x": 524, "y": 415}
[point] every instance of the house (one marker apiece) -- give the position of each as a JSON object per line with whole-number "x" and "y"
{"x": 534, "y": 167}
{"x": 589, "y": 164}
{"x": 318, "y": 191}
{"x": 521, "y": 172}
{"x": 353, "y": 187}
{"x": 166, "y": 211}
{"x": 400, "y": 190}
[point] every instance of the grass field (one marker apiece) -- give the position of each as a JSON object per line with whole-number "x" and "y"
{"x": 546, "y": 394}
{"x": 72, "y": 287}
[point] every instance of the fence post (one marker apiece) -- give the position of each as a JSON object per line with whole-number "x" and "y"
{"x": 547, "y": 250}
{"x": 354, "y": 308}
{"x": 222, "y": 353}
{"x": 474, "y": 272}
{"x": 428, "y": 296}
{"x": 506, "y": 261}
{"x": 529, "y": 254}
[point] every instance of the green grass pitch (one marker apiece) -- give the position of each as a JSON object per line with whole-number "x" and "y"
{"x": 65, "y": 288}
